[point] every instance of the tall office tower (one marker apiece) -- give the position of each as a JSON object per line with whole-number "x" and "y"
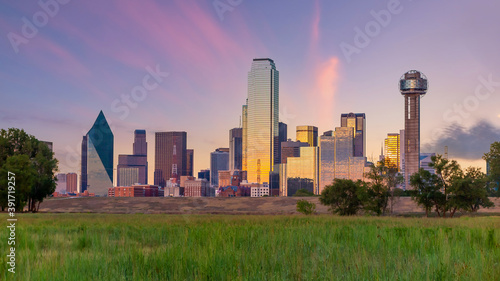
{"x": 301, "y": 172}
{"x": 308, "y": 134}
{"x": 327, "y": 159}
{"x": 392, "y": 151}
{"x": 71, "y": 183}
{"x": 97, "y": 158}
{"x": 283, "y": 137}
{"x": 261, "y": 124}
{"x": 170, "y": 156}
{"x": 190, "y": 162}
{"x": 412, "y": 85}
{"x": 61, "y": 185}
{"x": 291, "y": 149}
{"x": 204, "y": 174}
{"x": 358, "y": 122}
{"x": 244, "y": 139}
{"x": 235, "y": 148}
{"x": 133, "y": 169}
{"x": 219, "y": 161}
{"x": 344, "y": 150}
{"x": 140, "y": 144}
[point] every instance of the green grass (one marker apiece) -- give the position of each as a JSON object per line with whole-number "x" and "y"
{"x": 208, "y": 247}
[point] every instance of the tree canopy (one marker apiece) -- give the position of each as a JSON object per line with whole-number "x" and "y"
{"x": 34, "y": 166}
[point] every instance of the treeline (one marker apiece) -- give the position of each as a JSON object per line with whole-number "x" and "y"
{"x": 449, "y": 190}
{"x": 33, "y": 164}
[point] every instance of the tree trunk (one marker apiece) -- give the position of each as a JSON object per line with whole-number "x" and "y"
{"x": 453, "y": 212}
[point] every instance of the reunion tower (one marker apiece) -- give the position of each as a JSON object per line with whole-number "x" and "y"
{"x": 413, "y": 85}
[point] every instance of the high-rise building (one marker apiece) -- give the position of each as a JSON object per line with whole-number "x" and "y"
{"x": 358, "y": 122}
{"x": 219, "y": 161}
{"x": 61, "y": 185}
{"x": 97, "y": 158}
{"x": 190, "y": 162}
{"x": 133, "y": 169}
{"x": 392, "y": 151}
{"x": 308, "y": 134}
{"x": 235, "y": 148}
{"x": 244, "y": 139}
{"x": 71, "y": 183}
{"x": 291, "y": 149}
{"x": 260, "y": 121}
{"x": 327, "y": 159}
{"x": 283, "y": 137}
{"x": 204, "y": 174}
{"x": 140, "y": 144}
{"x": 301, "y": 172}
{"x": 170, "y": 156}
{"x": 412, "y": 85}
{"x": 425, "y": 160}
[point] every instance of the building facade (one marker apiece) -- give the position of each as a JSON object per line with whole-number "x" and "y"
{"x": 235, "y": 149}
{"x": 301, "y": 172}
{"x": 261, "y": 121}
{"x": 190, "y": 162}
{"x": 308, "y": 134}
{"x": 219, "y": 161}
{"x": 198, "y": 188}
{"x": 133, "y": 169}
{"x": 291, "y": 149}
{"x": 97, "y": 158}
{"x": 170, "y": 156}
{"x": 71, "y": 183}
{"x": 358, "y": 122}
{"x": 392, "y": 152}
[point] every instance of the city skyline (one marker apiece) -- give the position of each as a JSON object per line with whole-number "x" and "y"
{"x": 74, "y": 70}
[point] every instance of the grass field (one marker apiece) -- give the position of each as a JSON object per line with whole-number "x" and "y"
{"x": 223, "y": 247}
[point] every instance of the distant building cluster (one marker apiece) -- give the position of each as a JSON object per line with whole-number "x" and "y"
{"x": 260, "y": 160}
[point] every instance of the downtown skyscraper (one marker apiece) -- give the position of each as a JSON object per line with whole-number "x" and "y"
{"x": 133, "y": 168}
{"x": 170, "y": 156}
{"x": 97, "y": 158}
{"x": 261, "y": 121}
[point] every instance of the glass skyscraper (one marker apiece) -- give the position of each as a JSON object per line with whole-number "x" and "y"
{"x": 260, "y": 121}
{"x": 219, "y": 161}
{"x": 235, "y": 147}
{"x": 327, "y": 159}
{"x": 301, "y": 172}
{"x": 392, "y": 151}
{"x": 358, "y": 122}
{"x": 97, "y": 158}
{"x": 308, "y": 134}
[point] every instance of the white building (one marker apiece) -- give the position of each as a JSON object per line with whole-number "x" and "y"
{"x": 259, "y": 191}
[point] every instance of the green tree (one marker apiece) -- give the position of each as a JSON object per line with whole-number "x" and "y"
{"x": 24, "y": 177}
{"x": 427, "y": 191}
{"x": 447, "y": 171}
{"x": 305, "y": 207}
{"x": 382, "y": 179}
{"x": 469, "y": 192}
{"x": 343, "y": 197}
{"x": 40, "y": 175}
